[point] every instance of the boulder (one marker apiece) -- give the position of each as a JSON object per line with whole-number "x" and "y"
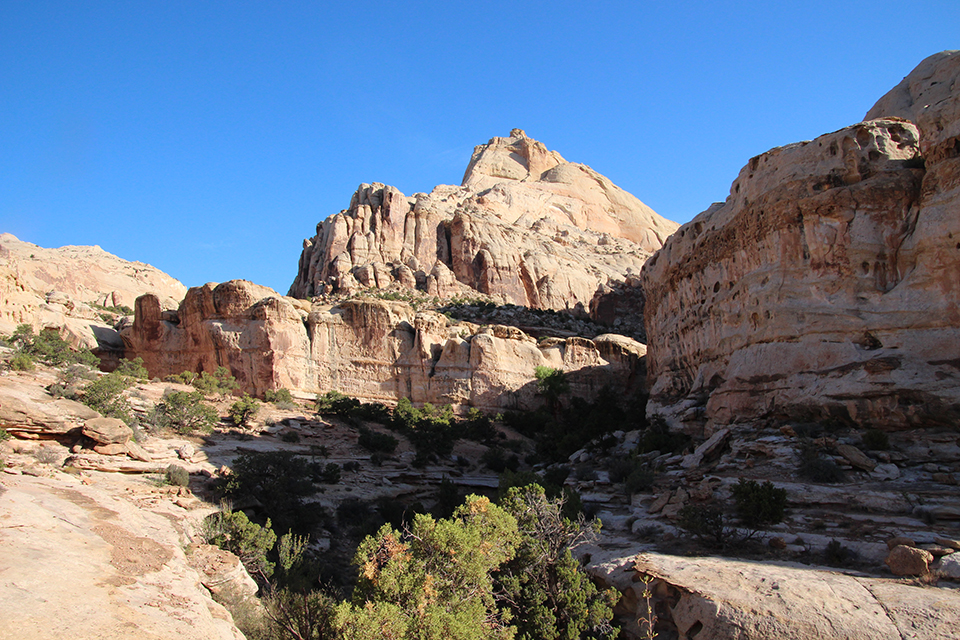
{"x": 909, "y": 561}
{"x": 27, "y": 410}
{"x": 107, "y": 431}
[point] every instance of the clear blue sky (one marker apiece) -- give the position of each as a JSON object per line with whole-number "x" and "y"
{"x": 209, "y": 138}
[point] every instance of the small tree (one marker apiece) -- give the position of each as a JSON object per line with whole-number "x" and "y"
{"x": 221, "y": 382}
{"x": 244, "y": 410}
{"x": 759, "y": 504}
{"x": 186, "y": 412}
{"x": 232, "y": 531}
{"x": 551, "y": 383}
{"x": 105, "y": 396}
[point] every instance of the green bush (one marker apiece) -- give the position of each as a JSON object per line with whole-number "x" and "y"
{"x": 326, "y": 474}
{"x": 232, "y": 531}
{"x": 497, "y": 460}
{"x": 759, "y": 504}
{"x": 818, "y": 468}
{"x": 658, "y": 437}
{"x": 186, "y": 412}
{"x": 277, "y": 480}
{"x": 244, "y": 410}
{"x": 290, "y": 436}
{"x": 133, "y": 369}
{"x": 177, "y": 476}
{"x": 22, "y": 362}
{"x": 708, "y": 524}
{"x": 184, "y": 377}
{"x": 280, "y": 396}
{"x": 375, "y": 441}
{"x": 640, "y": 479}
{"x": 221, "y": 382}
{"x": 876, "y": 440}
{"x": 49, "y": 348}
{"x": 105, "y": 396}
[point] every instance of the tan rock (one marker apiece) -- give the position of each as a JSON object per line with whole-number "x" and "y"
{"x": 900, "y": 540}
{"x": 107, "y": 431}
{"x": 57, "y": 288}
{"x": 826, "y": 286}
{"x": 369, "y": 349}
{"x": 525, "y": 227}
{"x": 948, "y": 542}
{"x": 26, "y": 409}
{"x": 857, "y": 458}
{"x": 909, "y": 561}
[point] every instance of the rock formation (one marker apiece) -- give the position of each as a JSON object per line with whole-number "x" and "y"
{"x": 828, "y": 283}
{"x": 369, "y": 349}
{"x": 525, "y": 227}
{"x": 61, "y": 288}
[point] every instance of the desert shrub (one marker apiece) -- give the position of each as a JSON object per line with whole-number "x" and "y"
{"x": 478, "y": 427}
{"x": 572, "y": 503}
{"x": 290, "y": 436}
{"x": 658, "y": 437}
{"x": 759, "y": 504}
{"x": 221, "y": 382}
{"x": 818, "y": 468}
{"x": 546, "y": 590}
{"x": 375, "y": 441}
{"x": 177, "y": 476}
{"x": 326, "y": 474}
{"x": 835, "y": 554}
{"x": 408, "y": 587}
{"x": 335, "y": 403}
{"x": 448, "y": 499}
{"x": 132, "y": 369}
{"x": 278, "y": 481}
{"x": 641, "y": 478}
{"x": 22, "y": 362}
{"x": 72, "y": 374}
{"x": 186, "y": 412}
{"x": 278, "y": 397}
{"x": 299, "y": 614}
{"x": 244, "y": 410}
{"x": 876, "y": 440}
{"x": 232, "y": 531}
{"x": 105, "y": 396}
{"x": 497, "y": 460}
{"x": 708, "y": 524}
{"x": 4, "y": 435}
{"x": 49, "y": 348}
{"x": 46, "y": 455}
{"x": 184, "y": 377}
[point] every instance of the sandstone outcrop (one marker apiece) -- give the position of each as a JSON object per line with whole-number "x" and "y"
{"x": 60, "y": 288}
{"x": 370, "y": 349}
{"x": 828, "y": 283}
{"x": 525, "y": 227}
{"x": 720, "y": 599}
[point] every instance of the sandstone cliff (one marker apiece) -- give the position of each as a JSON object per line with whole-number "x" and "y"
{"x": 828, "y": 283}
{"x": 525, "y": 227}
{"x": 62, "y": 288}
{"x": 369, "y": 349}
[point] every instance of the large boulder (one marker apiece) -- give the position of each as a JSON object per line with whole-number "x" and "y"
{"x": 525, "y": 227}
{"x": 828, "y": 283}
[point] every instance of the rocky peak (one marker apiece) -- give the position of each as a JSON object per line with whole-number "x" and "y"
{"x": 514, "y": 158}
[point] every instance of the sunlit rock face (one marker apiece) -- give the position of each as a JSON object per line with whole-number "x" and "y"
{"x": 525, "y": 227}
{"x": 828, "y": 283}
{"x": 373, "y": 350}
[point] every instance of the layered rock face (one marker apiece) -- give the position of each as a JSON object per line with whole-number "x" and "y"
{"x": 526, "y": 227}
{"x": 56, "y": 288}
{"x": 828, "y": 283}
{"x": 369, "y": 349}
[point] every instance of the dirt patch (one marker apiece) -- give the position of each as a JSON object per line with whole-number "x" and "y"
{"x": 132, "y": 556}
{"x": 93, "y": 508}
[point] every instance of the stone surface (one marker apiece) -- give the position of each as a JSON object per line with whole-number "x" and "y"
{"x": 909, "y": 561}
{"x": 525, "y": 227}
{"x": 949, "y": 566}
{"x": 79, "y": 562}
{"x": 28, "y": 410}
{"x": 711, "y": 598}
{"x": 107, "y": 431}
{"x": 828, "y": 283}
{"x": 369, "y": 349}
{"x": 57, "y": 288}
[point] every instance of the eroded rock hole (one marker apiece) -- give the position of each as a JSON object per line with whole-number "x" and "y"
{"x": 716, "y": 286}
{"x": 694, "y": 630}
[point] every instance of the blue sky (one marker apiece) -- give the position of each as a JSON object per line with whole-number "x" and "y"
{"x": 209, "y": 138}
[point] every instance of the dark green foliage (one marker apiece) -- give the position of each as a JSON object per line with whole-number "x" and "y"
{"x": 835, "y": 554}
{"x": 431, "y": 430}
{"x": 105, "y": 396}
{"x": 411, "y": 587}
{"x": 244, "y": 410}
{"x": 326, "y": 474}
{"x": 759, "y": 504}
{"x": 658, "y": 437}
{"x": 280, "y": 396}
{"x": 22, "y": 362}
{"x": 49, "y": 348}
{"x": 186, "y": 412}
{"x": 551, "y": 383}
{"x": 818, "y": 468}
{"x": 876, "y": 440}
{"x": 278, "y": 481}
{"x": 707, "y": 523}
{"x": 4, "y": 435}
{"x": 221, "y": 382}
{"x": 233, "y": 532}
{"x": 184, "y": 377}
{"x": 290, "y": 436}
{"x": 300, "y": 615}
{"x": 543, "y": 586}
{"x": 640, "y": 479}
{"x": 177, "y": 476}
{"x": 336, "y": 403}
{"x": 478, "y": 427}
{"x": 448, "y": 499}
{"x": 572, "y": 503}
{"x": 498, "y": 461}
{"x": 375, "y": 441}
{"x": 132, "y": 369}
